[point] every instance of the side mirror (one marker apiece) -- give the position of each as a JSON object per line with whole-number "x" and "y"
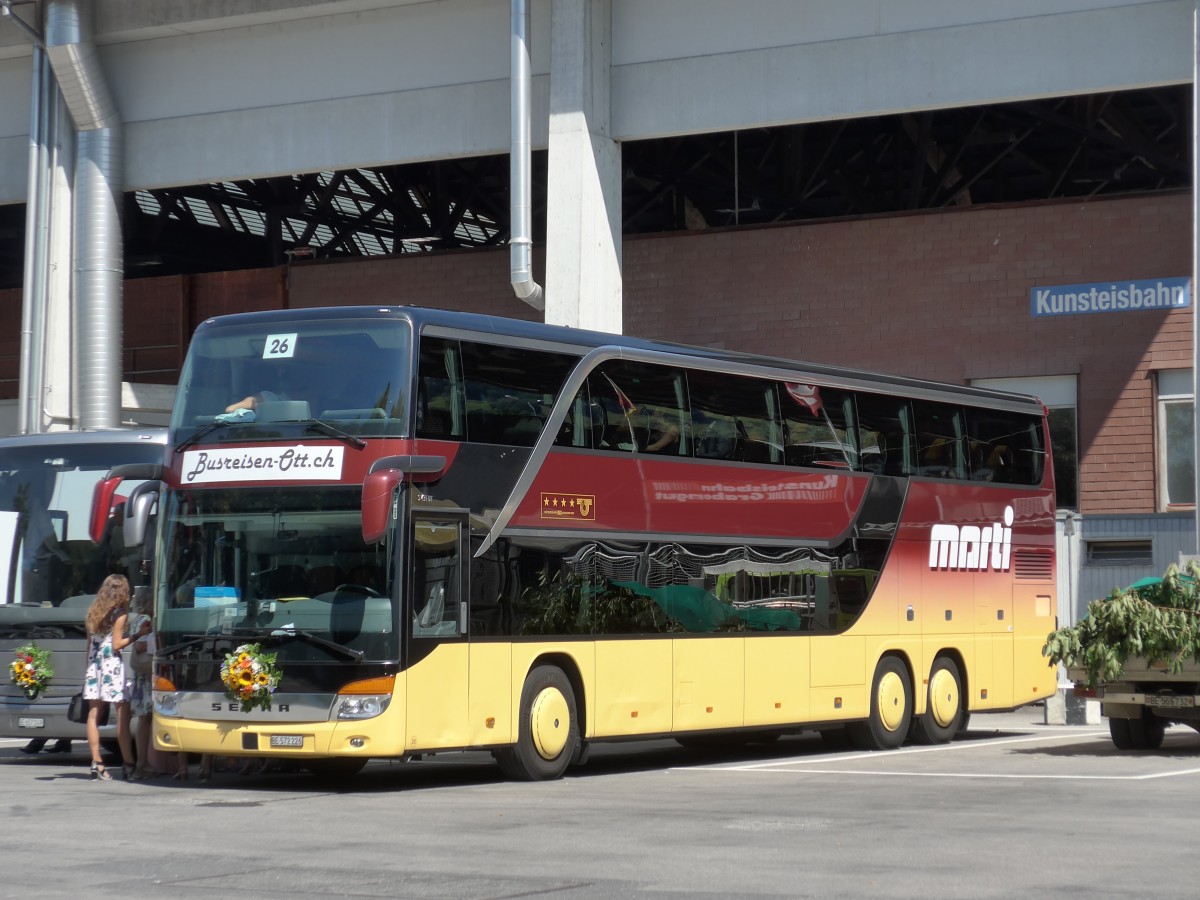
{"x": 382, "y": 479}
{"x": 378, "y": 488}
{"x": 106, "y": 490}
{"x": 102, "y": 498}
{"x": 138, "y": 508}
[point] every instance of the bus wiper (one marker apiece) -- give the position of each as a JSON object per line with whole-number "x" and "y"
{"x": 199, "y": 433}
{"x": 326, "y": 428}
{"x": 190, "y": 640}
{"x": 290, "y": 631}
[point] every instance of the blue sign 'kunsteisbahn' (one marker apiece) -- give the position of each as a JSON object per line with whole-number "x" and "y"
{"x": 1110, "y": 296}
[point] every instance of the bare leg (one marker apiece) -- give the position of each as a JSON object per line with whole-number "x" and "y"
{"x": 93, "y": 729}
{"x": 93, "y": 737}
{"x": 143, "y": 741}
{"x": 123, "y": 736}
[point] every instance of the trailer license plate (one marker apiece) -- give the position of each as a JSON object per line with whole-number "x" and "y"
{"x": 27, "y": 722}
{"x": 287, "y": 740}
{"x": 1169, "y": 700}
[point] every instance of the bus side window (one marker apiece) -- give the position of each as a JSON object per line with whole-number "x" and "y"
{"x": 437, "y": 579}
{"x": 939, "y": 433}
{"x": 1005, "y": 447}
{"x": 819, "y": 427}
{"x": 734, "y": 418}
{"x": 644, "y": 408}
{"x": 884, "y": 434}
{"x": 581, "y": 423}
{"x": 440, "y": 402}
{"x": 510, "y": 391}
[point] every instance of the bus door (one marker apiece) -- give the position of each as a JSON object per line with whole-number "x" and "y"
{"x": 436, "y": 615}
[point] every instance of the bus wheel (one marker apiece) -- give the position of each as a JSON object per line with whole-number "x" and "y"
{"x": 943, "y": 708}
{"x": 335, "y": 767}
{"x": 548, "y": 730}
{"x": 891, "y": 709}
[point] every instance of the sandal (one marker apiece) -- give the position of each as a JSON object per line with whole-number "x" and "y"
{"x": 129, "y": 773}
{"x": 99, "y": 772}
{"x": 205, "y": 776}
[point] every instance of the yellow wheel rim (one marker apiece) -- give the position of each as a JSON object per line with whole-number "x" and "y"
{"x": 891, "y": 701}
{"x": 549, "y": 722}
{"x": 944, "y": 701}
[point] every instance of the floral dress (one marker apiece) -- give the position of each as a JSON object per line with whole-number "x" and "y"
{"x": 138, "y": 690}
{"x": 105, "y": 676}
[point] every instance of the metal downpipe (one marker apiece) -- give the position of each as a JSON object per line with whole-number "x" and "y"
{"x": 520, "y": 241}
{"x": 37, "y": 211}
{"x": 97, "y": 282}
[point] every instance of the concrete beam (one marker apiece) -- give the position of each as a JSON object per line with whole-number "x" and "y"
{"x": 583, "y": 217}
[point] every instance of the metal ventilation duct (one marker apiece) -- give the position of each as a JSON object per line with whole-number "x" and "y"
{"x": 98, "y": 270}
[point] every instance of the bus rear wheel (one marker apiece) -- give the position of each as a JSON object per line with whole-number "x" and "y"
{"x": 943, "y": 707}
{"x": 891, "y": 709}
{"x": 548, "y": 730}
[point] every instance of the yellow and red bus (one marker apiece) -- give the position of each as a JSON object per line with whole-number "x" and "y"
{"x": 454, "y": 531}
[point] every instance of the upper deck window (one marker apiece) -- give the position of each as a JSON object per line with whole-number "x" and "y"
{"x": 351, "y": 373}
{"x": 485, "y": 393}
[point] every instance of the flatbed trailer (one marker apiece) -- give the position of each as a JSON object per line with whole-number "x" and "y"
{"x": 1145, "y": 700}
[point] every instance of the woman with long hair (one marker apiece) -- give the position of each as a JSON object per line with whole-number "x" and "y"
{"x": 104, "y": 681}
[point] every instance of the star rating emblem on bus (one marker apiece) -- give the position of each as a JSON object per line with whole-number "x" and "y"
{"x": 568, "y": 506}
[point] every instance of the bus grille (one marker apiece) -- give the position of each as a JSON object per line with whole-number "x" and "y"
{"x": 1031, "y": 566}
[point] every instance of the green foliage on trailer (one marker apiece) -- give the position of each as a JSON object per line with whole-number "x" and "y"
{"x": 1157, "y": 619}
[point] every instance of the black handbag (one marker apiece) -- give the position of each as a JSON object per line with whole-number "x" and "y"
{"x": 77, "y": 711}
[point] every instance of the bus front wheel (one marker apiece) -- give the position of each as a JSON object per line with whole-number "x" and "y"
{"x": 891, "y": 709}
{"x": 943, "y": 707}
{"x": 548, "y": 730}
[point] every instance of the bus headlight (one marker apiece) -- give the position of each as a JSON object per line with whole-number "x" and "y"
{"x": 362, "y": 706}
{"x": 166, "y": 703}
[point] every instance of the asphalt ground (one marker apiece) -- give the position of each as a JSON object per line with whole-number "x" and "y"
{"x": 1013, "y": 808}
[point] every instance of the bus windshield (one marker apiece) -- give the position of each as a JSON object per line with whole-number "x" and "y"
{"x": 46, "y": 555}
{"x": 349, "y": 373}
{"x": 280, "y": 566}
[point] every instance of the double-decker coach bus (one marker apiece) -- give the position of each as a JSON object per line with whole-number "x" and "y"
{"x": 456, "y": 531}
{"x": 50, "y": 569}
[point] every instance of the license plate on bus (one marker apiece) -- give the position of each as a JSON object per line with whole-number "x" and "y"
{"x": 1171, "y": 701}
{"x": 28, "y": 722}
{"x": 287, "y": 740}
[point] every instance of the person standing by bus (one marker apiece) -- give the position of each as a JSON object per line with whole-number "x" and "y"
{"x": 139, "y": 679}
{"x": 104, "y": 680}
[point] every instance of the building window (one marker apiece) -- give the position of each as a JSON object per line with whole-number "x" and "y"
{"x": 1122, "y": 552}
{"x": 1176, "y": 439}
{"x": 1059, "y": 393}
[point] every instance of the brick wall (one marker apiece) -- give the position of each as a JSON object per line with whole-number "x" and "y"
{"x": 941, "y": 295}
{"x": 945, "y": 296}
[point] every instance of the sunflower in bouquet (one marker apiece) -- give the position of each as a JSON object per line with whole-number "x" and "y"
{"x": 250, "y": 676}
{"x": 30, "y": 670}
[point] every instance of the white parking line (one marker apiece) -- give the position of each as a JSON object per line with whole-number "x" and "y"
{"x": 991, "y": 775}
{"x": 937, "y": 748}
{"x": 806, "y": 764}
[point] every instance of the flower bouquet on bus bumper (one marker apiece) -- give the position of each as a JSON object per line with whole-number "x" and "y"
{"x": 30, "y": 670}
{"x": 250, "y": 676}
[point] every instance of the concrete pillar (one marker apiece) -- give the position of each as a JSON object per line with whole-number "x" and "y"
{"x": 583, "y": 217}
